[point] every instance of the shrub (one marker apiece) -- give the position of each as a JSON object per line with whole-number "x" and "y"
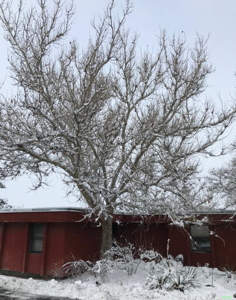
{"x": 229, "y": 273}
{"x": 74, "y": 268}
{"x": 123, "y": 257}
{"x": 151, "y": 255}
{"x": 170, "y": 274}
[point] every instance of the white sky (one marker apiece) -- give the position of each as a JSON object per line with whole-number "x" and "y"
{"x": 205, "y": 17}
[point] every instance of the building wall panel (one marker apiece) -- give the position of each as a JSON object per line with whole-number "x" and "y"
{"x": 13, "y": 247}
{"x": 34, "y": 263}
{"x": 82, "y": 241}
{"x": 67, "y": 239}
{"x": 225, "y": 246}
{"x": 55, "y": 248}
{"x": 200, "y": 259}
{"x": 145, "y": 236}
{"x": 178, "y": 242}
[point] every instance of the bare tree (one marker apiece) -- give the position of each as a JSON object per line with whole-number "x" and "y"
{"x": 4, "y": 205}
{"x": 123, "y": 128}
{"x": 3, "y": 202}
{"x": 222, "y": 184}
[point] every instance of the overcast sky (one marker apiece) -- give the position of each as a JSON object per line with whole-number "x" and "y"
{"x": 215, "y": 18}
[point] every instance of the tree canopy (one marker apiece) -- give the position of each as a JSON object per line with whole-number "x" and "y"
{"x": 123, "y": 127}
{"x": 222, "y": 184}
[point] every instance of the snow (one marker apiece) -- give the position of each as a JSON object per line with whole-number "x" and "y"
{"x": 121, "y": 286}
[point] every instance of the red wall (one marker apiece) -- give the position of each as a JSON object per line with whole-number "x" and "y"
{"x": 82, "y": 241}
{"x": 63, "y": 241}
{"x": 225, "y": 246}
{"x": 146, "y": 236}
{"x": 178, "y": 242}
{"x": 55, "y": 247}
{"x": 34, "y": 263}
{"x": 15, "y": 254}
{"x": 67, "y": 239}
{"x": 52, "y": 257}
{"x": 14, "y": 246}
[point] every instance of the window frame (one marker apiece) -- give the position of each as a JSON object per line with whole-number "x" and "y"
{"x": 197, "y": 241}
{"x": 36, "y": 235}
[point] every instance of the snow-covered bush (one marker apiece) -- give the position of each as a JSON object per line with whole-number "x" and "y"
{"x": 74, "y": 268}
{"x": 170, "y": 274}
{"x": 118, "y": 257}
{"x": 123, "y": 257}
{"x": 128, "y": 259}
{"x": 229, "y": 273}
{"x": 99, "y": 270}
{"x": 151, "y": 255}
{"x": 179, "y": 257}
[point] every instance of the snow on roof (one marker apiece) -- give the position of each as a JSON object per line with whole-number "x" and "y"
{"x": 86, "y": 210}
{"x": 44, "y": 209}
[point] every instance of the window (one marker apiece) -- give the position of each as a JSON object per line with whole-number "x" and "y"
{"x": 200, "y": 238}
{"x": 36, "y": 237}
{"x": 114, "y": 231}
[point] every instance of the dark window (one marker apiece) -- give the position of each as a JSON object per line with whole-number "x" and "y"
{"x": 114, "y": 230}
{"x": 200, "y": 238}
{"x": 36, "y": 237}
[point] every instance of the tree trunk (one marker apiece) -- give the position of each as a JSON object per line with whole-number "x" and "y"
{"x": 106, "y": 235}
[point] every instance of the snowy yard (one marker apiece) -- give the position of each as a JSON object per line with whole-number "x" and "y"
{"x": 119, "y": 285}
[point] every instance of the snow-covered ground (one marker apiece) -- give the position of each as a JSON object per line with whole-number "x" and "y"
{"x": 121, "y": 286}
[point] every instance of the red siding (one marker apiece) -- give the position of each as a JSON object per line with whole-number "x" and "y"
{"x": 52, "y": 257}
{"x": 67, "y": 239}
{"x": 55, "y": 247}
{"x": 13, "y": 248}
{"x": 145, "y": 236}
{"x": 200, "y": 259}
{"x": 16, "y": 236}
{"x": 34, "y": 263}
{"x": 225, "y": 246}
{"x": 41, "y": 217}
{"x": 82, "y": 242}
{"x": 178, "y": 242}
